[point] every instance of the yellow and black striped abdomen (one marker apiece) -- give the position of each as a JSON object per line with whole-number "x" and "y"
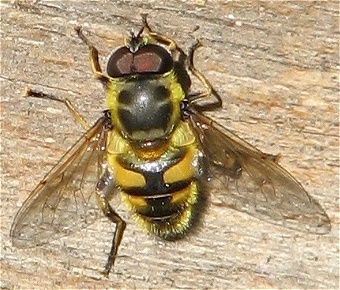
{"x": 162, "y": 193}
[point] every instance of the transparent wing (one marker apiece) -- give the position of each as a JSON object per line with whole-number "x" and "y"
{"x": 64, "y": 201}
{"x": 250, "y": 181}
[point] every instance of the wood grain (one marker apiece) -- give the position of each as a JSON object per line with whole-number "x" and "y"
{"x": 276, "y": 64}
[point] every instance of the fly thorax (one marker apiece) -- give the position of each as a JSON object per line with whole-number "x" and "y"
{"x": 144, "y": 109}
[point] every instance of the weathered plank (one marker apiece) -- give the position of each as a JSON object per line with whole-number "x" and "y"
{"x": 276, "y": 65}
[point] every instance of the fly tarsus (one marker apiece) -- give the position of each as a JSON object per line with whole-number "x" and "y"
{"x": 117, "y": 238}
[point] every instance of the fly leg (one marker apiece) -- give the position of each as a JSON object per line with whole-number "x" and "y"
{"x": 95, "y": 65}
{"x": 157, "y": 37}
{"x": 97, "y": 71}
{"x": 171, "y": 44}
{"x": 105, "y": 189}
{"x": 40, "y": 95}
{"x": 209, "y": 90}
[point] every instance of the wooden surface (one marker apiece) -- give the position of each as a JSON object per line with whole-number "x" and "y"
{"x": 276, "y": 65}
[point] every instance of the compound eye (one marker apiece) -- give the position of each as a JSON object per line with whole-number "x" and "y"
{"x": 120, "y": 62}
{"x": 148, "y": 59}
{"x": 153, "y": 59}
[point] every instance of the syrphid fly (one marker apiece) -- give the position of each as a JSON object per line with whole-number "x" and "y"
{"x": 155, "y": 147}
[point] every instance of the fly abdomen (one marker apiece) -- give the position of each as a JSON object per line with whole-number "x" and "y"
{"x": 161, "y": 193}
